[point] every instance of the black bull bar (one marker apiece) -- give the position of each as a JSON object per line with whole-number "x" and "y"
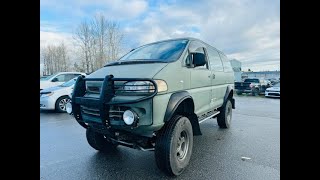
{"x": 107, "y": 92}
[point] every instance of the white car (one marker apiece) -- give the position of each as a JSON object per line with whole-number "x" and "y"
{"x": 273, "y": 91}
{"x": 57, "y": 79}
{"x": 56, "y": 98}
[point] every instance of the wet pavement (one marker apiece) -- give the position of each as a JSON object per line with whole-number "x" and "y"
{"x": 250, "y": 149}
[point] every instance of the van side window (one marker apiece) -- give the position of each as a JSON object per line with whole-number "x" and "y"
{"x": 196, "y": 46}
{"x": 226, "y": 63}
{"x": 215, "y": 61}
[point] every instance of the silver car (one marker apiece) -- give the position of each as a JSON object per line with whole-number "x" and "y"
{"x": 56, "y": 98}
{"x": 273, "y": 91}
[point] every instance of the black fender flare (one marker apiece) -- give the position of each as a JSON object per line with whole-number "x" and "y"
{"x": 226, "y": 96}
{"x": 175, "y": 100}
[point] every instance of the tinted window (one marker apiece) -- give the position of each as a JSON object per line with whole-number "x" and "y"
{"x": 215, "y": 61}
{"x": 164, "y": 51}
{"x": 47, "y": 77}
{"x": 69, "y": 83}
{"x": 196, "y": 46}
{"x": 226, "y": 63}
{"x": 61, "y": 78}
{"x": 70, "y": 76}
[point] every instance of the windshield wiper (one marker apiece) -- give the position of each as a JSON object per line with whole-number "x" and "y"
{"x": 139, "y": 61}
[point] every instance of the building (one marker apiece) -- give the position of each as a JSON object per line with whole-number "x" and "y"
{"x": 236, "y": 65}
{"x": 261, "y": 74}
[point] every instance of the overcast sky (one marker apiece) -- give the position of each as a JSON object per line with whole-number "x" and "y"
{"x": 247, "y": 30}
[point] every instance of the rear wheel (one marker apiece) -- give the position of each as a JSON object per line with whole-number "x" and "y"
{"x": 255, "y": 92}
{"x": 173, "y": 147}
{"x": 61, "y": 103}
{"x": 225, "y": 115}
{"x": 98, "y": 141}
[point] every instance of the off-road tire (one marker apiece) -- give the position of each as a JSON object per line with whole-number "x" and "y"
{"x": 255, "y": 92}
{"x": 225, "y": 115}
{"x": 168, "y": 158}
{"x": 98, "y": 141}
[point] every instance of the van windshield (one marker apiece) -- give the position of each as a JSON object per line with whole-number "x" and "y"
{"x": 165, "y": 51}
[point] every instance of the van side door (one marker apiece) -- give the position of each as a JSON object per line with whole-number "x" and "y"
{"x": 200, "y": 80}
{"x": 217, "y": 78}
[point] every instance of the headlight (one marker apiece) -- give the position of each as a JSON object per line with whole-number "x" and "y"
{"x": 47, "y": 94}
{"x": 145, "y": 86}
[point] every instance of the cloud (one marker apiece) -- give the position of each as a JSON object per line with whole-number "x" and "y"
{"x": 247, "y": 30}
{"x": 117, "y": 10}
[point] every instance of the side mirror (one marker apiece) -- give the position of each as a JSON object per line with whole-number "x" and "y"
{"x": 54, "y": 80}
{"x": 199, "y": 59}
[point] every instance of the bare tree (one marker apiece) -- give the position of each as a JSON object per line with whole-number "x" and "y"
{"x": 55, "y": 58}
{"x": 100, "y": 41}
{"x": 84, "y": 38}
{"x": 115, "y": 38}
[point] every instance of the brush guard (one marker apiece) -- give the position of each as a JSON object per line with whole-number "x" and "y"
{"x": 108, "y": 91}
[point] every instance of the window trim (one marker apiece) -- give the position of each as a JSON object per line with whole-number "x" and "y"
{"x": 219, "y": 58}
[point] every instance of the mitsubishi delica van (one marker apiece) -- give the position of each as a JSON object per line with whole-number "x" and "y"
{"x": 153, "y": 99}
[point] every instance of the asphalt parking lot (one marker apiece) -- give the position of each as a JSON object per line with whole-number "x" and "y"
{"x": 217, "y": 154}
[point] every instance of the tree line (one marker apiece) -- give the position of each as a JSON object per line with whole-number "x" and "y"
{"x": 97, "y": 42}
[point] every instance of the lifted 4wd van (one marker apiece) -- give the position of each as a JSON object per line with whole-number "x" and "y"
{"x": 153, "y": 99}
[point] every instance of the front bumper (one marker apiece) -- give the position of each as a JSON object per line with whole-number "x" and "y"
{"x": 272, "y": 93}
{"x": 47, "y": 103}
{"x": 106, "y": 108}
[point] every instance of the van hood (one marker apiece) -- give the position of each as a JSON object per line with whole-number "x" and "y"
{"x": 129, "y": 70}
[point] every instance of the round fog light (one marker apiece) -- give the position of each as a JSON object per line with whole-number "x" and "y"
{"x": 69, "y": 108}
{"x": 128, "y": 117}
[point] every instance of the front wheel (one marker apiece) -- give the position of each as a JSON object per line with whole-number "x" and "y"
{"x": 61, "y": 103}
{"x": 98, "y": 141}
{"x": 225, "y": 115}
{"x": 255, "y": 92}
{"x": 173, "y": 147}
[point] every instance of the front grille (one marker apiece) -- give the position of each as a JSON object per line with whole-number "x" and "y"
{"x": 274, "y": 94}
{"x": 272, "y": 91}
{"x": 90, "y": 111}
{"x": 94, "y": 89}
{"x": 115, "y": 112}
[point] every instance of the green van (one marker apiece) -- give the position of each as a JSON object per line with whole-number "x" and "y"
{"x": 153, "y": 99}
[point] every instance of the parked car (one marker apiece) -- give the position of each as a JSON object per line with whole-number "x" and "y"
{"x": 57, "y": 79}
{"x": 255, "y": 86}
{"x": 56, "y": 98}
{"x": 153, "y": 99}
{"x": 273, "y": 80}
{"x": 273, "y": 91}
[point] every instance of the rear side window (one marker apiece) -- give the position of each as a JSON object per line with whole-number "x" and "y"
{"x": 70, "y": 76}
{"x": 226, "y": 63}
{"x": 215, "y": 61}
